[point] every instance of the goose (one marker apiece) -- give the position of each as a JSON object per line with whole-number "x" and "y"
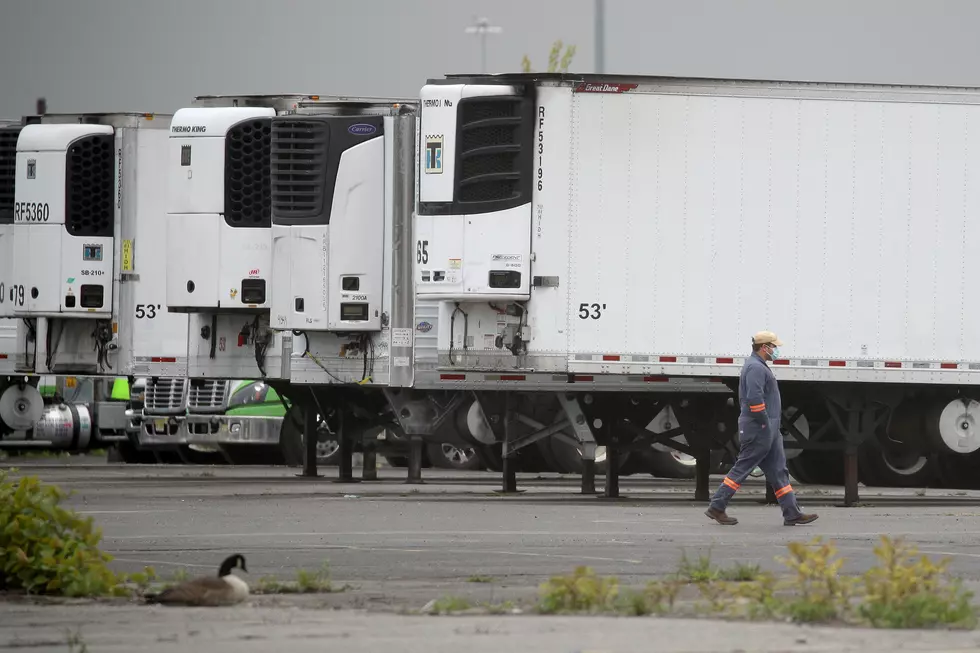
{"x": 224, "y": 589}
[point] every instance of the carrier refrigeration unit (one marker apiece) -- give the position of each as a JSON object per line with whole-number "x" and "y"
{"x": 590, "y": 249}
{"x": 88, "y": 243}
{"x": 343, "y": 185}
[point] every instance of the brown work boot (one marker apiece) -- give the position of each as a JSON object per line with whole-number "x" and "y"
{"x": 721, "y": 517}
{"x": 799, "y": 521}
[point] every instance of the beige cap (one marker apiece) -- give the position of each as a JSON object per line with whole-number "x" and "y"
{"x": 766, "y": 338}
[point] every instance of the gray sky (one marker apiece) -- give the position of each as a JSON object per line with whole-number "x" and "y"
{"x": 155, "y": 55}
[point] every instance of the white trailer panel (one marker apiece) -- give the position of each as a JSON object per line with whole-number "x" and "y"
{"x": 842, "y": 225}
{"x": 675, "y": 218}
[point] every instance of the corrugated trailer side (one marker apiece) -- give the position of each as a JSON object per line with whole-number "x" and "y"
{"x": 840, "y": 219}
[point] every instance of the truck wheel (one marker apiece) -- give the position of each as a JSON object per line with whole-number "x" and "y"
{"x": 492, "y": 456}
{"x": 568, "y": 457}
{"x": 133, "y": 456}
{"x": 448, "y": 456}
{"x": 292, "y": 442}
{"x": 669, "y": 464}
{"x": 896, "y": 469}
{"x": 253, "y": 454}
{"x": 191, "y": 456}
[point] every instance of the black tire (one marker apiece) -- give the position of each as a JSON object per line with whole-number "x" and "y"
{"x": 446, "y": 456}
{"x": 130, "y": 455}
{"x": 292, "y": 443}
{"x": 167, "y": 457}
{"x": 663, "y": 465}
{"x": 893, "y": 469}
{"x": 253, "y": 454}
{"x": 491, "y": 455}
{"x": 193, "y": 457}
{"x": 567, "y": 457}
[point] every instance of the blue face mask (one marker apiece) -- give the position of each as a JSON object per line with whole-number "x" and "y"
{"x": 774, "y": 353}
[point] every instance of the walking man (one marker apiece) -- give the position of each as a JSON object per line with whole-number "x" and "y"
{"x": 760, "y": 442}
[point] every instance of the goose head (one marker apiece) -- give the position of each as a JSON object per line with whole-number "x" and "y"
{"x": 231, "y": 562}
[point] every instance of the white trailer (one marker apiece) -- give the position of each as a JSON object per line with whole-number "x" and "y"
{"x": 224, "y": 177}
{"x": 342, "y": 198}
{"x": 218, "y": 271}
{"x": 88, "y": 248}
{"x": 590, "y": 249}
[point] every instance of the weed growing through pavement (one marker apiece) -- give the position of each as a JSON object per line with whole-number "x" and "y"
{"x": 907, "y": 590}
{"x": 450, "y": 604}
{"x": 75, "y": 642}
{"x": 821, "y": 594}
{"x": 476, "y": 578}
{"x": 903, "y": 590}
{"x": 698, "y": 571}
{"x": 307, "y": 582}
{"x": 582, "y": 591}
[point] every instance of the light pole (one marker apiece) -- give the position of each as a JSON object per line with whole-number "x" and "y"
{"x": 483, "y": 27}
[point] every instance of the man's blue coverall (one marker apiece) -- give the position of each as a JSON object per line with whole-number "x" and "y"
{"x": 761, "y": 444}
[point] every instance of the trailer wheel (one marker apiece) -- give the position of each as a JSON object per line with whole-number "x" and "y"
{"x": 568, "y": 457}
{"x": 889, "y": 468}
{"x": 253, "y": 454}
{"x": 448, "y": 456}
{"x": 190, "y": 455}
{"x": 669, "y": 464}
{"x": 954, "y": 426}
{"x": 292, "y": 441}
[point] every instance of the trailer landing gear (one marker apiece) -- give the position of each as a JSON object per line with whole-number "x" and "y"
{"x": 415, "y": 446}
{"x": 857, "y": 418}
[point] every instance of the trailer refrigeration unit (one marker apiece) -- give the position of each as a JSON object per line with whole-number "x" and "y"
{"x": 219, "y": 271}
{"x": 88, "y": 249}
{"x": 220, "y": 268}
{"x": 342, "y": 197}
{"x": 600, "y": 247}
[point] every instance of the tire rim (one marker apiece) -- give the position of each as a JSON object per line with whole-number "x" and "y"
{"x": 326, "y": 448}
{"x": 682, "y": 458}
{"x": 958, "y": 426}
{"x": 456, "y": 455}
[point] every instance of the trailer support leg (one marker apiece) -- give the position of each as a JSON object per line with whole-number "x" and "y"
{"x": 612, "y": 470}
{"x": 702, "y": 477}
{"x": 850, "y": 476}
{"x": 346, "y": 467}
{"x": 310, "y": 426}
{"x": 588, "y": 475}
{"x": 415, "y": 460}
{"x": 509, "y": 459}
{"x": 369, "y": 465}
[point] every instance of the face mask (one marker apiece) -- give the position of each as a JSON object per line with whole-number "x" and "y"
{"x": 774, "y": 353}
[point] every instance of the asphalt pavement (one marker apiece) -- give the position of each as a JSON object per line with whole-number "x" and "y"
{"x": 394, "y": 547}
